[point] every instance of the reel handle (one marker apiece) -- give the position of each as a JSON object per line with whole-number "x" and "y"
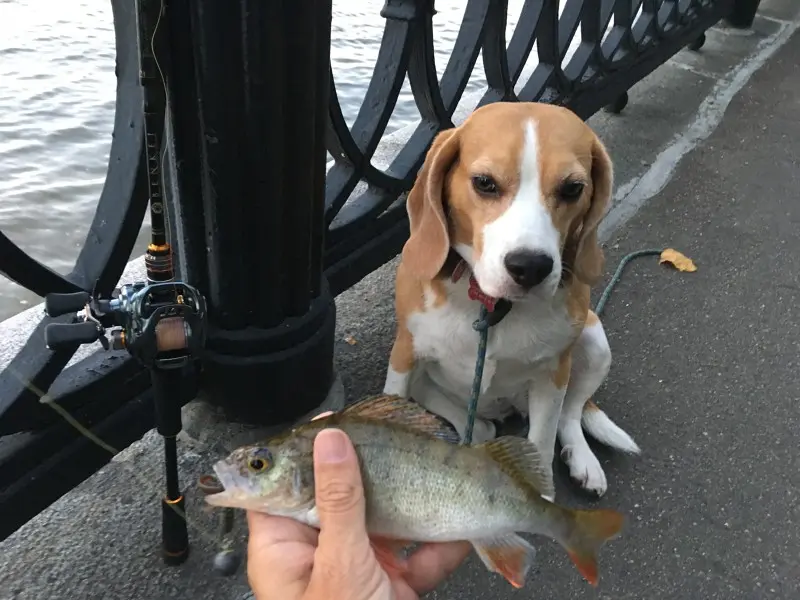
{"x": 66, "y": 335}
{"x": 56, "y": 305}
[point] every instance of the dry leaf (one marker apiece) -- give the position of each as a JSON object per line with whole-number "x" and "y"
{"x": 677, "y": 260}
{"x": 350, "y": 340}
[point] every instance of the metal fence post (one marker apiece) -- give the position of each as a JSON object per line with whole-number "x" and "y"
{"x": 743, "y": 13}
{"x": 252, "y": 238}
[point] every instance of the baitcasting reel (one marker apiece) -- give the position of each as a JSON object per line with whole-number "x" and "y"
{"x": 163, "y": 325}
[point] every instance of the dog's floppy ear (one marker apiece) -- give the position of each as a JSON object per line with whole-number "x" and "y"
{"x": 427, "y": 247}
{"x": 589, "y": 259}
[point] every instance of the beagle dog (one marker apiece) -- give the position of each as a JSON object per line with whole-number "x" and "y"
{"x": 507, "y": 205}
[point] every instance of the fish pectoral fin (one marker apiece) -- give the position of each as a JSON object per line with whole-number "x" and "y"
{"x": 398, "y": 410}
{"x": 388, "y": 554}
{"x": 509, "y": 555}
{"x": 520, "y": 459}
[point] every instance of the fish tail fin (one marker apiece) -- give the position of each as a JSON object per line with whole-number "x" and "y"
{"x": 509, "y": 555}
{"x": 589, "y": 530}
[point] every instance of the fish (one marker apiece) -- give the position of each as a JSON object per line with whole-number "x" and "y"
{"x": 422, "y": 485}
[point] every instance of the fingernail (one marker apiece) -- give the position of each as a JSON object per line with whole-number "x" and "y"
{"x": 330, "y": 446}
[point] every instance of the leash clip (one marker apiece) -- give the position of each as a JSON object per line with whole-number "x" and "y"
{"x": 493, "y": 317}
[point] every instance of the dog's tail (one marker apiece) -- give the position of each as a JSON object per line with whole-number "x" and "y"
{"x": 597, "y": 424}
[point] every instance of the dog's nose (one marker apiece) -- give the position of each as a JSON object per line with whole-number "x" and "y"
{"x": 527, "y": 268}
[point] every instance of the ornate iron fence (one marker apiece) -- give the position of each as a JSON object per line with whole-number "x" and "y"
{"x": 255, "y": 223}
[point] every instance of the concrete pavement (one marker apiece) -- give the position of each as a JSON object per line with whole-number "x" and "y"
{"x": 705, "y": 372}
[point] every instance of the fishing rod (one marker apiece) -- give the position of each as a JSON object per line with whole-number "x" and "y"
{"x": 161, "y": 322}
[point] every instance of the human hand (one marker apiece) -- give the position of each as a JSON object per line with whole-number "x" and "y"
{"x": 287, "y": 560}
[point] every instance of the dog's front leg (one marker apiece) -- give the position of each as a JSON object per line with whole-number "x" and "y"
{"x": 401, "y": 363}
{"x": 545, "y": 398}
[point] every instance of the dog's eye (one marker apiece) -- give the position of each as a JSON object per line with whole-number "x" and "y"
{"x": 485, "y": 185}
{"x": 570, "y": 190}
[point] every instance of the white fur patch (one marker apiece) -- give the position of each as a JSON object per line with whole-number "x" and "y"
{"x": 466, "y": 253}
{"x": 525, "y": 225}
{"x": 544, "y": 410}
{"x": 584, "y": 467}
{"x": 604, "y": 430}
{"x": 396, "y": 383}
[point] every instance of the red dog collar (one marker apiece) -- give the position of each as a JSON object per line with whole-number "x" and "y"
{"x": 475, "y": 292}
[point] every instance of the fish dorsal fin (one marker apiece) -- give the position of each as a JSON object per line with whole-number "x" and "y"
{"x": 398, "y": 410}
{"x": 520, "y": 459}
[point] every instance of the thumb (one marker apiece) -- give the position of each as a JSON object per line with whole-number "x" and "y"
{"x": 339, "y": 489}
{"x": 344, "y": 563}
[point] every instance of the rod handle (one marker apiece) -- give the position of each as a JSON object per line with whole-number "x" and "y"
{"x": 174, "y": 533}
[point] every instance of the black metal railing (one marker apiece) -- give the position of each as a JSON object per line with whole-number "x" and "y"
{"x": 256, "y": 225}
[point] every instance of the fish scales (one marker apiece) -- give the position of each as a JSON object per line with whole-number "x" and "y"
{"x": 434, "y": 491}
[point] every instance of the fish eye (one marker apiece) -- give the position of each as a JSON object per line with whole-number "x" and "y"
{"x": 260, "y": 462}
{"x": 257, "y": 464}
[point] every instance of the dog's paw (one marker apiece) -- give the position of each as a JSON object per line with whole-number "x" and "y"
{"x": 585, "y": 469}
{"x": 483, "y": 431}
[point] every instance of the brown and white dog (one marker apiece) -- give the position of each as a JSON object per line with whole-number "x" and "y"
{"x": 515, "y": 194}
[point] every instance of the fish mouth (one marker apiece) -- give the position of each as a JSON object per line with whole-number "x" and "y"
{"x": 226, "y": 474}
{"x": 223, "y": 499}
{"x": 228, "y": 497}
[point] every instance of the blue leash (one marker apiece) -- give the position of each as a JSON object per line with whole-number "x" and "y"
{"x": 601, "y": 303}
{"x": 487, "y": 319}
{"x": 482, "y": 327}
